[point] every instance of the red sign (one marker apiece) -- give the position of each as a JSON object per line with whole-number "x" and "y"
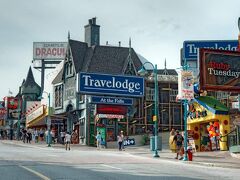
{"x": 219, "y": 70}
{"x": 111, "y": 109}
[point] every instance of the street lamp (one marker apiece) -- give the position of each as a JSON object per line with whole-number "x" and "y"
{"x": 143, "y": 72}
{"x": 48, "y": 118}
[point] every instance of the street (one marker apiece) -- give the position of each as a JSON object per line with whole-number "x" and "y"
{"x": 34, "y": 162}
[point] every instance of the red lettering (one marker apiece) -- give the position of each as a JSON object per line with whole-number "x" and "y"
{"x": 38, "y": 51}
{"x": 49, "y": 52}
{"x": 43, "y": 52}
{"x": 54, "y": 51}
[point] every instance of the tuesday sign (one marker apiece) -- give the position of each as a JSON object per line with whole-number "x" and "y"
{"x": 219, "y": 70}
{"x": 106, "y": 84}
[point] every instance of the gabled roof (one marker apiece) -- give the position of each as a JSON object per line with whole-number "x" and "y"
{"x": 78, "y": 50}
{"x": 99, "y": 59}
{"x": 167, "y": 72}
{"x": 109, "y": 59}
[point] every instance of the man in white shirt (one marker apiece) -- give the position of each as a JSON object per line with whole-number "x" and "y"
{"x": 67, "y": 140}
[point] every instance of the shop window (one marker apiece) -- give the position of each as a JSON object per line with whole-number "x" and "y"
{"x": 164, "y": 97}
{"x": 173, "y": 95}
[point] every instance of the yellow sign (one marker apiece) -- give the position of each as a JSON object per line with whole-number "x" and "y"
{"x": 154, "y": 118}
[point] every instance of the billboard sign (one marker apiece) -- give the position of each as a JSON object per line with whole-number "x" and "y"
{"x": 185, "y": 85}
{"x": 49, "y": 50}
{"x": 219, "y": 70}
{"x": 191, "y": 48}
{"x": 112, "y": 100}
{"x": 90, "y": 83}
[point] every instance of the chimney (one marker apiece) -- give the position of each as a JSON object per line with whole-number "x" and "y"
{"x": 92, "y": 33}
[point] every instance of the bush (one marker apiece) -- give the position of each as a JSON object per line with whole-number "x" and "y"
{"x": 145, "y": 139}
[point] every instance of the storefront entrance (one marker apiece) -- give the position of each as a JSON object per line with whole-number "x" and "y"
{"x": 209, "y": 136}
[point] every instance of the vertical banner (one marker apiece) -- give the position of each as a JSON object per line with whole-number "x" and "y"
{"x": 185, "y": 85}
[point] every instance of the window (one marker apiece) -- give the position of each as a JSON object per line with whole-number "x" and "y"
{"x": 58, "y": 96}
{"x": 149, "y": 94}
{"x": 173, "y": 95}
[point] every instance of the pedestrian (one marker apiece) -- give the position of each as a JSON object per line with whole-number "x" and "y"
{"x": 172, "y": 145}
{"x": 62, "y": 134}
{"x": 41, "y": 134}
{"x": 29, "y": 136}
{"x": 35, "y": 133}
{"x": 24, "y": 132}
{"x": 120, "y": 140}
{"x": 178, "y": 139}
{"x": 67, "y": 141}
{"x": 99, "y": 140}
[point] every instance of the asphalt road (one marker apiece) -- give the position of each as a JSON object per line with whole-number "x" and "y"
{"x": 29, "y": 162}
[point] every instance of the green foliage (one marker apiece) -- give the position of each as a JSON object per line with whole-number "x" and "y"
{"x": 145, "y": 139}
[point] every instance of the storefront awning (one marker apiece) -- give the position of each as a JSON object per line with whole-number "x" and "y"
{"x": 212, "y": 105}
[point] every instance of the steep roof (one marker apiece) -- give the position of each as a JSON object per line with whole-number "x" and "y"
{"x": 30, "y": 81}
{"x": 78, "y": 50}
{"x": 58, "y": 78}
{"x": 109, "y": 59}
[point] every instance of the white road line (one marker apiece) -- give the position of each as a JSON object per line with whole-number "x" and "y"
{"x": 35, "y": 172}
{"x": 108, "y": 166}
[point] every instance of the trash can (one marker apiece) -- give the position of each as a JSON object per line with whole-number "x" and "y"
{"x": 152, "y": 143}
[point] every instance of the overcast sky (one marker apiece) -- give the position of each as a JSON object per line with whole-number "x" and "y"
{"x": 157, "y": 28}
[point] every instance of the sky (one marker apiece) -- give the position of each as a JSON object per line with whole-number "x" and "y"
{"x": 157, "y": 29}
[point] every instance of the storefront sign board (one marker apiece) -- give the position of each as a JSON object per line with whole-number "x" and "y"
{"x": 219, "y": 70}
{"x": 91, "y": 83}
{"x": 35, "y": 114}
{"x": 49, "y": 50}
{"x": 112, "y": 100}
{"x": 191, "y": 48}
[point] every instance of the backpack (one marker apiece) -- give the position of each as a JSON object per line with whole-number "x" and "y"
{"x": 179, "y": 139}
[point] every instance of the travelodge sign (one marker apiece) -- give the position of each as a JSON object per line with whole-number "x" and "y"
{"x": 91, "y": 83}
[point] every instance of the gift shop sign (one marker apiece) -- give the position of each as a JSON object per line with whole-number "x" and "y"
{"x": 49, "y": 50}
{"x": 219, "y": 70}
{"x": 35, "y": 114}
{"x": 106, "y": 84}
{"x": 185, "y": 85}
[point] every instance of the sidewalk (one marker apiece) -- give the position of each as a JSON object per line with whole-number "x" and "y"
{"x": 215, "y": 158}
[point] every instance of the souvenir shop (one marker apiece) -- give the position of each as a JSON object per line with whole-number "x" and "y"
{"x": 208, "y": 121}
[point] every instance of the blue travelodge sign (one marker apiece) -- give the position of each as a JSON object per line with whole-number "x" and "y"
{"x": 191, "y": 48}
{"x": 112, "y": 100}
{"x": 91, "y": 83}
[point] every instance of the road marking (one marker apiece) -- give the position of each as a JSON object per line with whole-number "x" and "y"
{"x": 105, "y": 165}
{"x": 36, "y": 173}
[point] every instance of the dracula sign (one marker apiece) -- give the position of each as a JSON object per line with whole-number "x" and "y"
{"x": 219, "y": 70}
{"x": 49, "y": 50}
{"x": 107, "y": 84}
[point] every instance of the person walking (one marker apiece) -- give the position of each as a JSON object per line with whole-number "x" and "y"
{"x": 35, "y": 133}
{"x": 62, "y": 134}
{"x": 99, "y": 140}
{"x": 172, "y": 145}
{"x": 178, "y": 139}
{"x": 67, "y": 141}
{"x": 120, "y": 141}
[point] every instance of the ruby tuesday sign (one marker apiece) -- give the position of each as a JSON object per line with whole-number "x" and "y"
{"x": 90, "y": 83}
{"x": 219, "y": 70}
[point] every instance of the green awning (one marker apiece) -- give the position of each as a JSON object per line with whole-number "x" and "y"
{"x": 212, "y": 104}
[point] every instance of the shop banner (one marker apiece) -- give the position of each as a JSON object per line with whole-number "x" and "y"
{"x": 185, "y": 85}
{"x": 219, "y": 70}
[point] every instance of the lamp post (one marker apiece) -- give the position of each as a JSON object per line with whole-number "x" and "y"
{"x": 19, "y": 118}
{"x": 143, "y": 72}
{"x": 48, "y": 118}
